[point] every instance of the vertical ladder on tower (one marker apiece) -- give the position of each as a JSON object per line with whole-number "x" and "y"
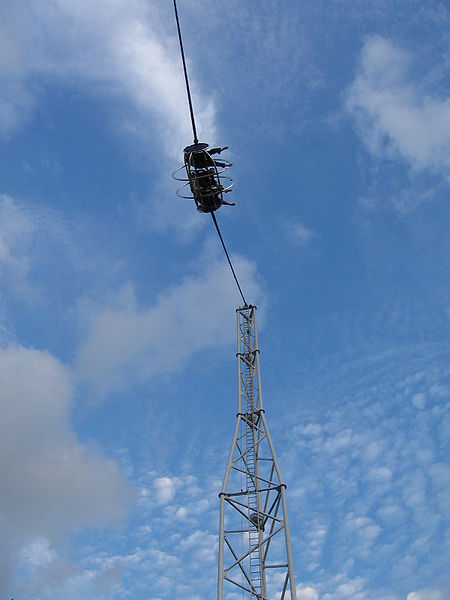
{"x": 255, "y": 556}
{"x": 258, "y": 513}
{"x": 251, "y": 458}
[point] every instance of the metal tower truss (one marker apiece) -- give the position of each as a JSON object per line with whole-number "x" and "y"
{"x": 255, "y": 557}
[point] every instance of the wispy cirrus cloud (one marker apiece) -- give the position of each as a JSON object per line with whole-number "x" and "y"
{"x": 35, "y": 242}
{"x": 124, "y": 51}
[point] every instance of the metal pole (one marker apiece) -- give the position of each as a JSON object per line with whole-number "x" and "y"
{"x": 258, "y": 371}
{"x": 222, "y": 511}
{"x": 221, "y": 542}
{"x": 220, "y": 576}
{"x": 272, "y": 448}
{"x": 287, "y": 536}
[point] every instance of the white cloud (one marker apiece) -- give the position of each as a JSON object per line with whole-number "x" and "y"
{"x": 127, "y": 343}
{"x": 34, "y": 242}
{"x": 427, "y": 594}
{"x": 340, "y": 441}
{"x": 396, "y": 116}
{"x": 350, "y": 589}
{"x": 419, "y": 400}
{"x": 380, "y": 474}
{"x": 440, "y": 475}
{"x": 307, "y": 593}
{"x": 179, "y": 535}
{"x": 365, "y": 531}
{"x": 181, "y": 513}
{"x": 51, "y": 485}
{"x": 16, "y": 229}
{"x": 126, "y": 50}
{"x": 38, "y": 553}
{"x": 299, "y": 234}
{"x": 373, "y": 471}
{"x": 345, "y": 587}
{"x": 199, "y": 539}
{"x": 439, "y": 391}
{"x": 60, "y": 578}
{"x": 165, "y": 489}
{"x": 316, "y": 538}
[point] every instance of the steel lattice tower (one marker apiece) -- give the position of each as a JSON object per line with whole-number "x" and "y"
{"x": 254, "y": 545}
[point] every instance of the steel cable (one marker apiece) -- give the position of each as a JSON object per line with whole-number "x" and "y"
{"x": 194, "y": 131}
{"x": 228, "y": 258}
{"x": 188, "y": 90}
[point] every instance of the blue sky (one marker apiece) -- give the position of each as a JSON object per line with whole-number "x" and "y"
{"x": 117, "y": 309}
